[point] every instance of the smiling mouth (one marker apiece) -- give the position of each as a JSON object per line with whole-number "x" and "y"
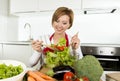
{"x": 59, "y": 29}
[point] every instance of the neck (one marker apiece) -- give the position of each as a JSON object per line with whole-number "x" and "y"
{"x": 56, "y": 37}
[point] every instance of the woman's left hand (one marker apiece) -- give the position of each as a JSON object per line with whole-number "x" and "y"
{"x": 75, "y": 41}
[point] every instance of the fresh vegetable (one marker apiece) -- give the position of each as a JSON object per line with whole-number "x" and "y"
{"x": 85, "y": 78}
{"x": 34, "y": 75}
{"x": 50, "y": 72}
{"x": 59, "y": 71}
{"x": 68, "y": 76}
{"x": 88, "y": 66}
{"x": 61, "y": 56}
{"x": 38, "y": 76}
{"x": 44, "y": 76}
{"x": 31, "y": 78}
{"x": 7, "y": 71}
{"x": 60, "y": 48}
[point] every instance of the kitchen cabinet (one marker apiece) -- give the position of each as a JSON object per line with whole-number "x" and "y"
{"x": 18, "y": 6}
{"x": 100, "y": 4}
{"x": 21, "y": 6}
{"x": 20, "y": 52}
{"x": 53, "y": 4}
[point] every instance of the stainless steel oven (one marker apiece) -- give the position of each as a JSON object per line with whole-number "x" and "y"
{"x": 108, "y": 56}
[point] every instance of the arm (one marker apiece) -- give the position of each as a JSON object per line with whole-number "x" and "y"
{"x": 79, "y": 52}
{"x": 38, "y": 56}
{"x": 75, "y": 46}
{"x": 34, "y": 58}
{"x": 76, "y": 52}
{"x": 37, "y": 47}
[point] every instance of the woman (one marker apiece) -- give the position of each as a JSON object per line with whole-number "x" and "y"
{"x": 62, "y": 20}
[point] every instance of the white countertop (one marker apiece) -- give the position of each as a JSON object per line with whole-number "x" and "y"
{"x": 100, "y": 44}
{"x": 82, "y": 44}
{"x": 16, "y": 42}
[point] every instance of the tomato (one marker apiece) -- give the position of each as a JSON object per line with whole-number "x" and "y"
{"x": 77, "y": 79}
{"x": 68, "y": 76}
{"x": 61, "y": 48}
{"x": 85, "y": 78}
{"x": 45, "y": 50}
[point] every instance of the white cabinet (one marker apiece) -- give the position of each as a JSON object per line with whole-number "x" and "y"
{"x": 17, "y": 6}
{"x": 21, "y": 52}
{"x": 53, "y": 4}
{"x": 20, "y": 6}
{"x": 1, "y": 51}
{"x": 100, "y": 3}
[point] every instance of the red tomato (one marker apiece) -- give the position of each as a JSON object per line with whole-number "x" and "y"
{"x": 61, "y": 48}
{"x": 85, "y": 79}
{"x": 68, "y": 76}
{"x": 77, "y": 79}
{"x": 45, "y": 50}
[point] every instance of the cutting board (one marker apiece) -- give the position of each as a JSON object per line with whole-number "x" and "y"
{"x": 113, "y": 76}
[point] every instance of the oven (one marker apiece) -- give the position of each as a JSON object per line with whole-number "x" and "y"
{"x": 108, "y": 56}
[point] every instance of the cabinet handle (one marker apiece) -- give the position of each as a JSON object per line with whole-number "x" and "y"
{"x": 108, "y": 59}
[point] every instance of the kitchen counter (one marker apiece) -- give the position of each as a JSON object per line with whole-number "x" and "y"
{"x": 82, "y": 44}
{"x": 103, "y": 77}
{"x": 16, "y": 42}
{"x": 100, "y": 44}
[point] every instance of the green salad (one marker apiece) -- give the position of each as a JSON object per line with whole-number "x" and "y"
{"x": 7, "y": 71}
{"x": 60, "y": 56}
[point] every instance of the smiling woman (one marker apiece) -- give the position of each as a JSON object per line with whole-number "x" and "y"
{"x": 62, "y": 20}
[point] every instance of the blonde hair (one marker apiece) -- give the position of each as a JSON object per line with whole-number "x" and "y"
{"x": 63, "y": 11}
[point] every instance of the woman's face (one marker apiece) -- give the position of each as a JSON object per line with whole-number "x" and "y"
{"x": 62, "y": 24}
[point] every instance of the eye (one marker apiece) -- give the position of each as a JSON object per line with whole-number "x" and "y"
{"x": 64, "y": 23}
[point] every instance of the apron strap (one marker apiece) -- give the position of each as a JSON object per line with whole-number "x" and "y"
{"x": 66, "y": 37}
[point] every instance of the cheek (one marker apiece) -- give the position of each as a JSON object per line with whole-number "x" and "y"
{"x": 67, "y": 26}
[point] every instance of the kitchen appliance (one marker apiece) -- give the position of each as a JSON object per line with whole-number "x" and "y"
{"x": 108, "y": 55}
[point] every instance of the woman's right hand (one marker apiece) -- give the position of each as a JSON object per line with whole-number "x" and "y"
{"x": 37, "y": 45}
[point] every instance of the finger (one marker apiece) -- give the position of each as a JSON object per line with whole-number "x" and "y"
{"x": 76, "y": 35}
{"x": 33, "y": 42}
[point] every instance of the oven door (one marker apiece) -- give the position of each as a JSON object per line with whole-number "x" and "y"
{"x": 110, "y": 64}
{"x": 109, "y": 57}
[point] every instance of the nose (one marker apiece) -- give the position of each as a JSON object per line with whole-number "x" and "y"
{"x": 59, "y": 24}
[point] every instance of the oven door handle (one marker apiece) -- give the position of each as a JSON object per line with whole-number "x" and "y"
{"x": 108, "y": 59}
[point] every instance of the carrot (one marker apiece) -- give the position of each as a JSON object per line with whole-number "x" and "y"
{"x": 34, "y": 75}
{"x": 50, "y": 80}
{"x": 30, "y": 78}
{"x": 46, "y": 77}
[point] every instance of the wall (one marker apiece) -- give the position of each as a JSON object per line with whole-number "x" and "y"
{"x": 3, "y": 19}
{"x": 94, "y": 28}
{"x": 8, "y": 23}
